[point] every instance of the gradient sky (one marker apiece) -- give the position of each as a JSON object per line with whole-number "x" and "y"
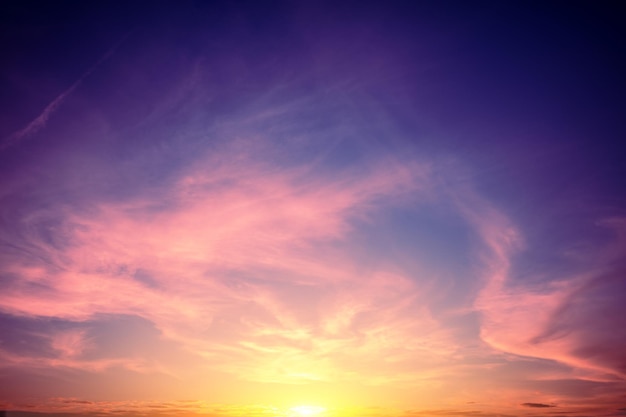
{"x": 382, "y": 209}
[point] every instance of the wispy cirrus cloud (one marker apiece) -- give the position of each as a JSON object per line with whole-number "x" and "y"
{"x": 570, "y": 319}
{"x": 225, "y": 263}
{"x": 41, "y": 120}
{"x": 234, "y": 265}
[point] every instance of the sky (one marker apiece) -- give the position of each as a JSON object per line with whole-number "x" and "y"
{"x": 302, "y": 209}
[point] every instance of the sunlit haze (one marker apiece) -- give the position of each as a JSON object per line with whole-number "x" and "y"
{"x": 312, "y": 209}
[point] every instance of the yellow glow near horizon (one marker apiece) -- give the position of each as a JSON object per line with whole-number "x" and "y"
{"x": 306, "y": 410}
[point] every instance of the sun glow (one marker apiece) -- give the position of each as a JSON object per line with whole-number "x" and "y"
{"x": 306, "y": 411}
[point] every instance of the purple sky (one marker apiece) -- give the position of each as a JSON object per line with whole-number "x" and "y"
{"x": 232, "y": 208}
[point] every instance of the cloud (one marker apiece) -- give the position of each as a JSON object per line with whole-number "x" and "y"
{"x": 239, "y": 265}
{"x": 242, "y": 262}
{"x": 571, "y": 319}
{"x": 40, "y": 121}
{"x": 245, "y": 263}
{"x": 537, "y": 405}
{"x": 227, "y": 262}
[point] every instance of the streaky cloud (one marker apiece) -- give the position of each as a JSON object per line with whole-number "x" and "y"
{"x": 538, "y": 405}
{"x": 571, "y": 320}
{"x": 40, "y": 121}
{"x": 295, "y": 299}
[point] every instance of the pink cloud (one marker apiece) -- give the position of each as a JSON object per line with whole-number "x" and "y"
{"x": 227, "y": 263}
{"x": 572, "y": 319}
{"x": 70, "y": 343}
{"x": 252, "y": 272}
{"x": 257, "y": 272}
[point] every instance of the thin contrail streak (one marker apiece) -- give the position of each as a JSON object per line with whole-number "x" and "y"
{"x": 40, "y": 121}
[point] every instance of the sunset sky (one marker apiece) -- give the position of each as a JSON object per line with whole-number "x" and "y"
{"x": 312, "y": 208}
